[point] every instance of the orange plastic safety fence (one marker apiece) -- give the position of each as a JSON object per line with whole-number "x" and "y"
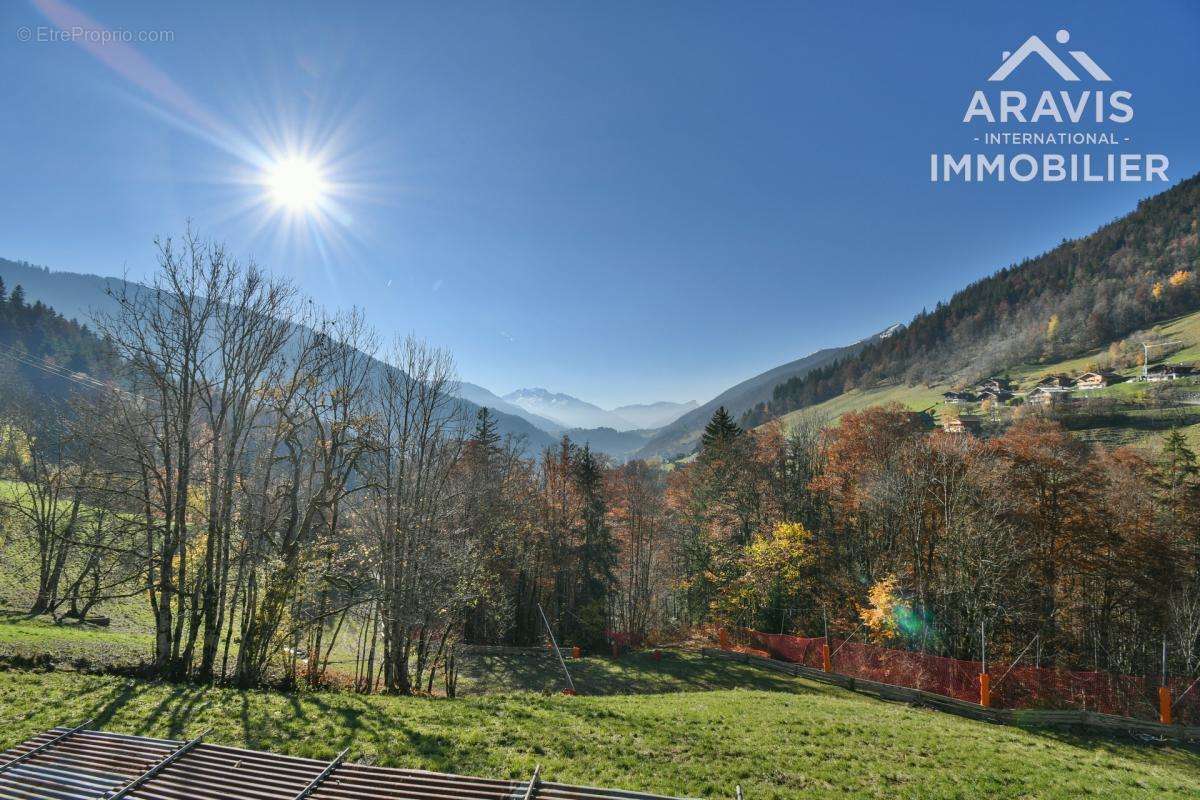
{"x": 1022, "y": 687}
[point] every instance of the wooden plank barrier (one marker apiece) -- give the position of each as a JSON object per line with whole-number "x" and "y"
{"x": 502, "y": 650}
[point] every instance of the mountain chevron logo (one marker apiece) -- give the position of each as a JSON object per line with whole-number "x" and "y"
{"x": 1034, "y": 45}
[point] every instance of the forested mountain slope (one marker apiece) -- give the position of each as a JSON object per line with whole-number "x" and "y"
{"x": 1083, "y": 294}
{"x": 682, "y": 435}
{"x": 63, "y": 296}
{"x": 74, "y": 295}
{"x": 40, "y": 349}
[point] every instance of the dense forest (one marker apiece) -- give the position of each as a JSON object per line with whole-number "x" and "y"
{"x": 39, "y": 349}
{"x": 1082, "y": 295}
{"x": 254, "y": 478}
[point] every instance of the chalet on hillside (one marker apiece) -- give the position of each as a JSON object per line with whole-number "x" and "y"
{"x": 1166, "y": 372}
{"x": 1056, "y": 382}
{"x": 995, "y": 395}
{"x": 994, "y": 385}
{"x": 1047, "y": 396}
{"x": 955, "y": 398}
{"x": 1097, "y": 380}
{"x": 960, "y": 425}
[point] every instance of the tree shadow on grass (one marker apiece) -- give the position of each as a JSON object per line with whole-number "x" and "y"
{"x": 172, "y": 717}
{"x": 375, "y": 732}
{"x": 680, "y": 670}
{"x": 285, "y": 723}
{"x": 372, "y": 718}
{"x": 675, "y": 670}
{"x": 490, "y": 673}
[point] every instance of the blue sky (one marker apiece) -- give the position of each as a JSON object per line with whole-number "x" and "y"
{"x": 625, "y": 201}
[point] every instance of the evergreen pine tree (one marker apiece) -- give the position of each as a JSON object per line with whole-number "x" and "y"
{"x": 597, "y": 551}
{"x": 3, "y": 290}
{"x": 485, "y": 433}
{"x": 720, "y": 429}
{"x": 17, "y": 299}
{"x": 1179, "y": 459}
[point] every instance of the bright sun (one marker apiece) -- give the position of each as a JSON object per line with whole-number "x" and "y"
{"x": 296, "y": 184}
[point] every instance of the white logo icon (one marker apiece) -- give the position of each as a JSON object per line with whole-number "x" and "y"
{"x": 1035, "y": 45}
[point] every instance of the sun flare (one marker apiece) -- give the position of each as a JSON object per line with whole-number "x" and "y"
{"x": 296, "y": 184}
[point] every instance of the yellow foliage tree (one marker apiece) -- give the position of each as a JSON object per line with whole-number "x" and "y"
{"x": 784, "y": 553}
{"x": 771, "y": 562}
{"x": 1052, "y": 326}
{"x": 1157, "y": 291}
{"x": 15, "y": 444}
{"x": 880, "y": 615}
{"x": 1179, "y": 278}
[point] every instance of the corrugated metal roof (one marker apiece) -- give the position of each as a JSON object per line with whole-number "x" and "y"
{"x": 82, "y": 764}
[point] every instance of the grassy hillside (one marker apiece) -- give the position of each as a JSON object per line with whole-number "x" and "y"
{"x": 1135, "y": 395}
{"x": 27, "y": 641}
{"x": 916, "y": 398}
{"x": 779, "y": 738}
{"x": 1135, "y": 272}
{"x": 127, "y": 641}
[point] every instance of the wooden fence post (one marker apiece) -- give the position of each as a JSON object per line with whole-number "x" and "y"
{"x": 1164, "y": 705}
{"x": 826, "y": 661}
{"x": 985, "y": 690}
{"x": 723, "y": 639}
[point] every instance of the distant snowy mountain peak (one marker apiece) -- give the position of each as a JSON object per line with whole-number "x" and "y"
{"x": 568, "y": 411}
{"x": 571, "y": 412}
{"x": 892, "y": 330}
{"x": 654, "y": 415}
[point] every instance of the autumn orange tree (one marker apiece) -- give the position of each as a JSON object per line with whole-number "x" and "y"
{"x": 1045, "y": 544}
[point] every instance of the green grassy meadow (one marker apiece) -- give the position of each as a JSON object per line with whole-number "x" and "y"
{"x": 777, "y": 736}
{"x": 680, "y": 724}
{"x": 127, "y": 641}
{"x": 1184, "y": 329}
